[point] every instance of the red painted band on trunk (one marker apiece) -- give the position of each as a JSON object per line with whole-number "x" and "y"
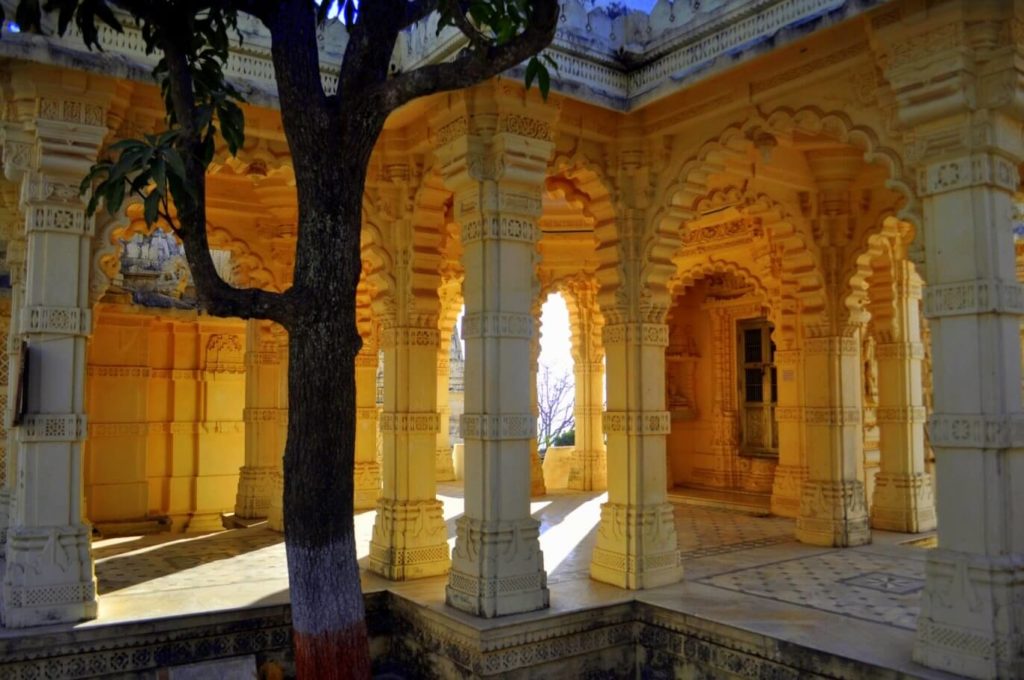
{"x": 333, "y": 655}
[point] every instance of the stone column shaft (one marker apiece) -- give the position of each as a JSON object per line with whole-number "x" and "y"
{"x": 832, "y": 502}
{"x": 367, "y": 469}
{"x": 903, "y": 498}
{"x": 972, "y": 608}
{"x": 443, "y": 466}
{"x": 265, "y": 406}
{"x": 537, "y": 486}
{"x": 16, "y": 260}
{"x": 636, "y": 541}
{"x": 410, "y": 539}
{"x": 275, "y": 511}
{"x": 49, "y": 571}
{"x": 498, "y": 177}
{"x": 791, "y": 472}
{"x": 589, "y": 470}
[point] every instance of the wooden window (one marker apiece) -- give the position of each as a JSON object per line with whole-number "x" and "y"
{"x": 758, "y": 389}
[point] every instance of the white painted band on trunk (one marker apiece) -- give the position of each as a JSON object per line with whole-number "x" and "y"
{"x": 324, "y": 587}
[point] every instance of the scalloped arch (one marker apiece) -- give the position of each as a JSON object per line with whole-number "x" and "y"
{"x": 108, "y": 246}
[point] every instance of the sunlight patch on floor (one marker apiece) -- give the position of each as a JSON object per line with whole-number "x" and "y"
{"x": 561, "y": 540}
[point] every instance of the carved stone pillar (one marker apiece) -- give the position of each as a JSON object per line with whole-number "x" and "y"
{"x": 265, "y": 407}
{"x": 444, "y": 469}
{"x": 537, "y": 487}
{"x": 495, "y": 162}
{"x": 49, "y": 571}
{"x": 636, "y": 540}
{"x": 791, "y": 472}
{"x": 589, "y": 471}
{"x": 725, "y": 442}
{"x": 16, "y": 262}
{"x": 903, "y": 498}
{"x": 967, "y": 138}
{"x": 972, "y": 610}
{"x": 410, "y": 539}
{"x": 833, "y": 508}
{"x": 275, "y": 511}
{"x": 367, "y": 469}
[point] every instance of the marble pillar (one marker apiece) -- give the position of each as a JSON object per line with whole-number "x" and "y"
{"x": 495, "y": 163}
{"x": 367, "y": 469}
{"x": 833, "y": 508}
{"x": 791, "y": 472}
{"x": 410, "y": 539}
{"x": 48, "y": 575}
{"x": 903, "y": 499}
{"x": 589, "y": 470}
{"x": 636, "y": 541}
{"x": 972, "y": 608}
{"x": 265, "y": 406}
{"x": 444, "y": 468}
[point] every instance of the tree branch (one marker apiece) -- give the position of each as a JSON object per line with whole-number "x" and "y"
{"x": 472, "y": 67}
{"x": 216, "y": 296}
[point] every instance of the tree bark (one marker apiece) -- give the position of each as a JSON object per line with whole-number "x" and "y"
{"x": 327, "y": 602}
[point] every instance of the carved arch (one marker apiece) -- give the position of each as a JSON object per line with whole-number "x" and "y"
{"x": 108, "y": 246}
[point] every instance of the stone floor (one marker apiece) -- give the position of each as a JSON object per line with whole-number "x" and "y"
{"x": 741, "y": 570}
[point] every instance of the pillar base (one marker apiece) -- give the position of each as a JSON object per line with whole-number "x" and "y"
{"x": 497, "y": 568}
{"x": 903, "y": 503}
{"x": 972, "y": 615}
{"x": 786, "y": 490}
{"x": 589, "y": 471}
{"x": 253, "y": 498}
{"x": 636, "y": 547}
{"x": 367, "y": 485}
{"x": 48, "y": 577}
{"x": 444, "y": 469}
{"x": 275, "y": 512}
{"x": 410, "y": 540}
{"x": 833, "y": 514}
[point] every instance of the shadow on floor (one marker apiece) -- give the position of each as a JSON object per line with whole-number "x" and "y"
{"x": 152, "y": 557}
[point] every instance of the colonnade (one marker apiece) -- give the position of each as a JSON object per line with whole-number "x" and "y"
{"x": 493, "y": 150}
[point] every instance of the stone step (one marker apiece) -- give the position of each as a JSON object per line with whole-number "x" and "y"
{"x": 756, "y": 504}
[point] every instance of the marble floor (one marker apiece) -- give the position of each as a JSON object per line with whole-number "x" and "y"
{"x": 740, "y": 569}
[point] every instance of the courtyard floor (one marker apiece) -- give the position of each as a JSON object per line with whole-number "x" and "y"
{"x": 740, "y": 570}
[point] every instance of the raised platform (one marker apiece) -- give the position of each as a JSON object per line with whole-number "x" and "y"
{"x": 754, "y": 603}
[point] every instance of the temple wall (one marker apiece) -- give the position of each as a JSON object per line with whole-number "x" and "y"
{"x": 165, "y": 393}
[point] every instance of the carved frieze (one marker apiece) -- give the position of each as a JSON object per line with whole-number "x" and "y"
{"x": 637, "y": 422}
{"x": 497, "y": 325}
{"x": 428, "y": 423}
{"x": 973, "y": 297}
{"x": 968, "y": 171}
{"x": 636, "y": 333}
{"x": 508, "y": 426}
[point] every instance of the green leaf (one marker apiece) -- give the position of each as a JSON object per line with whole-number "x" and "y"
{"x": 114, "y": 195}
{"x": 532, "y": 68}
{"x": 152, "y": 206}
{"x": 543, "y": 81}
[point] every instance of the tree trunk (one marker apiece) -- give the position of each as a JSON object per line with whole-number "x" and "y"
{"x": 327, "y": 602}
